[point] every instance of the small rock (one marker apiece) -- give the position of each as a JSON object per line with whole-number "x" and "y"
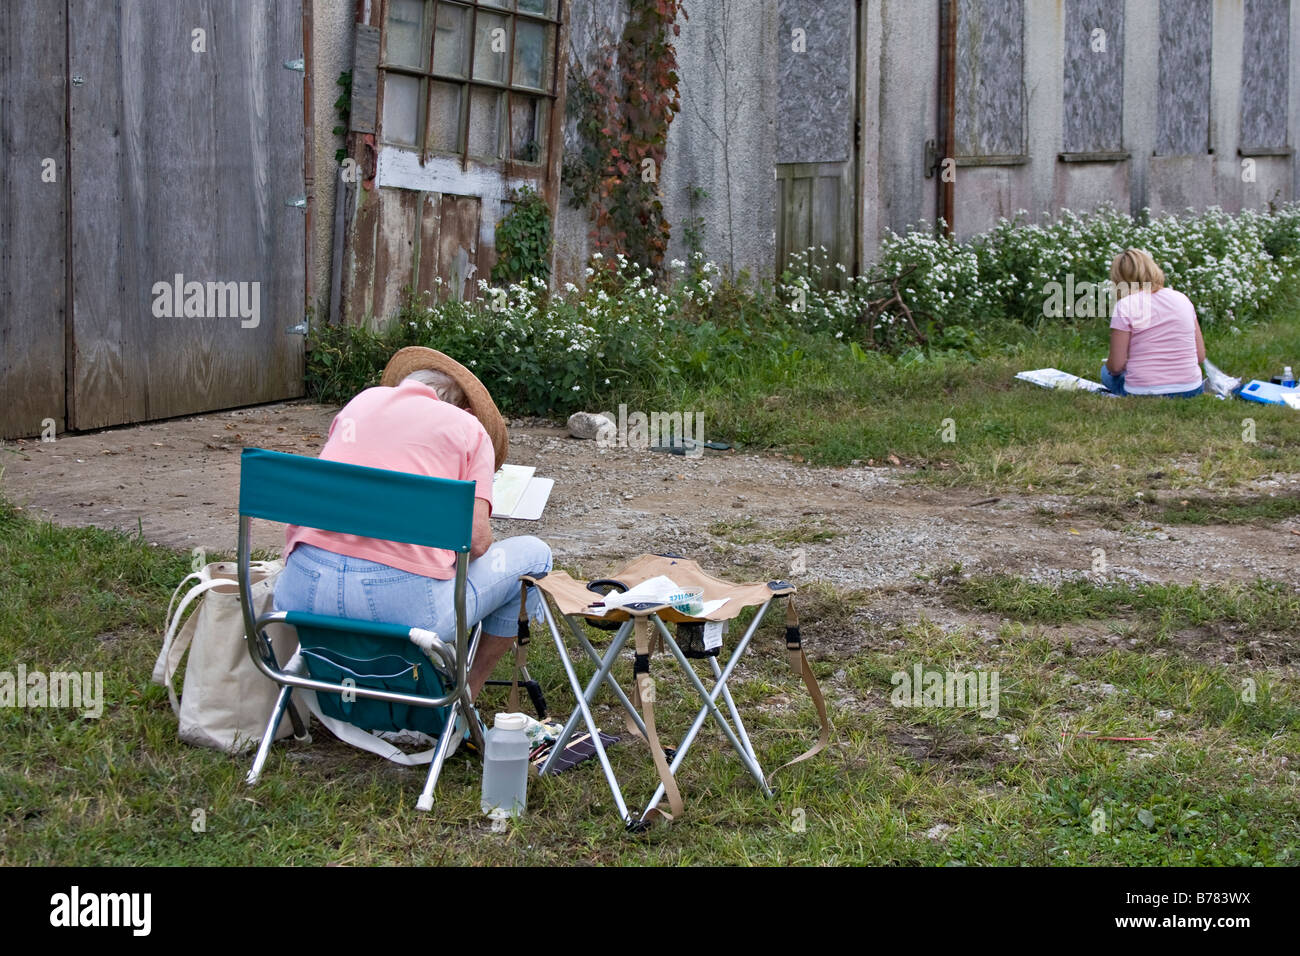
{"x": 588, "y": 425}
{"x": 939, "y": 831}
{"x": 1164, "y": 715}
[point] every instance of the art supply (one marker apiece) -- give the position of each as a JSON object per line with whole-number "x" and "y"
{"x": 505, "y": 766}
{"x": 688, "y": 601}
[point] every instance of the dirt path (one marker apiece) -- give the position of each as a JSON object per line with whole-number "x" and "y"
{"x": 857, "y": 527}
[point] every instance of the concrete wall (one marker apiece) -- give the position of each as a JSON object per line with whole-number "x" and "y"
{"x": 722, "y": 141}
{"x": 725, "y": 140}
{"x": 594, "y": 29}
{"x": 899, "y": 49}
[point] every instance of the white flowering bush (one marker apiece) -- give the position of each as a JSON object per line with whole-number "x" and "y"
{"x": 551, "y": 351}
{"x": 1229, "y": 266}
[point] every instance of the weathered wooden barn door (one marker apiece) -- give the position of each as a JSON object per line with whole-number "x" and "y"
{"x": 816, "y": 142}
{"x": 33, "y": 223}
{"x": 186, "y": 252}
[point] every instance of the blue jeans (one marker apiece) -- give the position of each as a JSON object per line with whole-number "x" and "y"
{"x": 323, "y": 582}
{"x": 1114, "y": 382}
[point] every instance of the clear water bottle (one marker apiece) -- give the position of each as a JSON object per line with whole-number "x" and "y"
{"x": 505, "y": 766}
{"x": 1288, "y": 378}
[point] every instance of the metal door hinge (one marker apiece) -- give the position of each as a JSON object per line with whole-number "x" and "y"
{"x": 299, "y": 202}
{"x": 931, "y": 158}
{"x": 78, "y": 80}
{"x": 297, "y": 64}
{"x": 302, "y": 328}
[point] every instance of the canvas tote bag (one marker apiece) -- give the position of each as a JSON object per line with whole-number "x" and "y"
{"x": 225, "y": 700}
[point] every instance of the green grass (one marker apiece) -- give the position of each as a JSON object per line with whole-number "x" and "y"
{"x": 824, "y": 405}
{"x": 1214, "y": 788}
{"x": 1190, "y": 508}
{"x": 1262, "y": 606}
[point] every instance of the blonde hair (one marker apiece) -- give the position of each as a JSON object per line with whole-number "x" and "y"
{"x": 1133, "y": 270}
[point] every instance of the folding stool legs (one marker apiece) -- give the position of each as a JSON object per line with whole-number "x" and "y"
{"x": 751, "y": 763}
{"x": 585, "y": 710}
{"x": 603, "y": 668}
{"x": 609, "y": 680}
{"x": 735, "y": 714}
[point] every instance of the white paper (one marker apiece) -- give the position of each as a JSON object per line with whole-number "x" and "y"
{"x": 713, "y": 634}
{"x": 533, "y": 501}
{"x": 1055, "y": 378}
{"x": 508, "y": 486}
{"x": 656, "y": 590}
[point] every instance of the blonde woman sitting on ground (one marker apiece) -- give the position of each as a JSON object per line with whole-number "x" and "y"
{"x": 1155, "y": 341}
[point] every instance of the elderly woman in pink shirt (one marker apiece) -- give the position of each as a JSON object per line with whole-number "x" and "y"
{"x": 1155, "y": 341}
{"x": 429, "y": 421}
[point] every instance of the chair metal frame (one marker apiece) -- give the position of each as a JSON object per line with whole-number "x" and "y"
{"x": 260, "y": 465}
{"x": 738, "y": 737}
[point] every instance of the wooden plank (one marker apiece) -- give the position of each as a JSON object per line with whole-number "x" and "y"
{"x": 100, "y": 361}
{"x": 285, "y": 270}
{"x": 799, "y": 211}
{"x": 186, "y": 192}
{"x": 394, "y": 251}
{"x": 359, "y": 276}
{"x": 826, "y": 215}
{"x": 458, "y": 244}
{"x": 426, "y": 272}
{"x": 365, "y": 79}
{"x": 182, "y": 163}
{"x": 33, "y": 218}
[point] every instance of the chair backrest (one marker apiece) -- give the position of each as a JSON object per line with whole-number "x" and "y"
{"x": 354, "y": 499}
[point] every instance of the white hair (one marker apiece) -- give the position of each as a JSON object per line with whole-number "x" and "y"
{"x": 440, "y": 382}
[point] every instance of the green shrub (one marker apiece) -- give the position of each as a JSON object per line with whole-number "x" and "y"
{"x": 523, "y": 239}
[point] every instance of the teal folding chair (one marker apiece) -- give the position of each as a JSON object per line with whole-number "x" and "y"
{"x": 378, "y": 676}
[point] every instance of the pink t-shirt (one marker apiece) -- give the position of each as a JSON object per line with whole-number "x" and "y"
{"x": 1162, "y": 350}
{"x": 406, "y": 428}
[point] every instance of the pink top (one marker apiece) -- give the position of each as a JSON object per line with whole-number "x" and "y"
{"x": 406, "y": 428}
{"x": 1162, "y": 350}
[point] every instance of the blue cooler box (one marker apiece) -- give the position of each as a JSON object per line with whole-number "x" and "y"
{"x": 1266, "y": 392}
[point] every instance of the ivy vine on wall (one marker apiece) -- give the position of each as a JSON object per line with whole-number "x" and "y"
{"x": 623, "y": 109}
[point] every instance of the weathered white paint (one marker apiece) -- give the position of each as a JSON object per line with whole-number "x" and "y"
{"x": 400, "y": 169}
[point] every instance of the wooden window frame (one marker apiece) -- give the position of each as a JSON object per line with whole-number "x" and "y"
{"x": 467, "y": 83}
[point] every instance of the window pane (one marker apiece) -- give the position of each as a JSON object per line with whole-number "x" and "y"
{"x": 528, "y": 128}
{"x": 485, "y": 122}
{"x": 491, "y": 47}
{"x": 444, "y": 117}
{"x": 543, "y": 7}
{"x": 405, "y": 33}
{"x": 532, "y": 55}
{"x": 401, "y": 108}
{"x": 450, "y": 46}
{"x": 503, "y": 4}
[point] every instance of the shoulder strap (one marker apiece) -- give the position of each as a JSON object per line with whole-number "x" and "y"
{"x": 799, "y": 662}
{"x": 178, "y": 637}
{"x": 643, "y": 695}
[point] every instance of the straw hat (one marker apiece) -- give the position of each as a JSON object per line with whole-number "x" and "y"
{"x": 415, "y": 357}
